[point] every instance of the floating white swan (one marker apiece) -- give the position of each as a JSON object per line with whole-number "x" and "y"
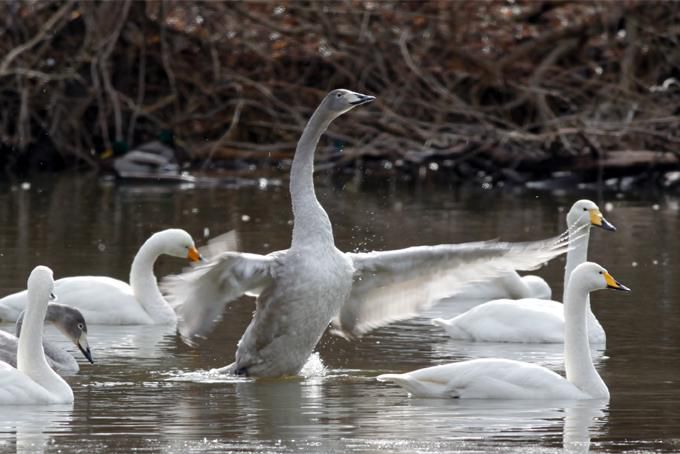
{"x": 507, "y": 379}
{"x": 532, "y": 319}
{"x": 104, "y": 300}
{"x": 33, "y": 381}
{"x": 66, "y": 319}
{"x": 300, "y": 290}
{"x": 510, "y": 285}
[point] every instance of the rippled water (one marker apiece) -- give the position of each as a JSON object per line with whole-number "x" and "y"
{"x": 148, "y": 391}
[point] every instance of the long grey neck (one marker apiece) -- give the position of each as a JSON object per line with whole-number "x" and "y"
{"x": 577, "y": 360}
{"x": 311, "y": 224}
{"x": 145, "y": 286}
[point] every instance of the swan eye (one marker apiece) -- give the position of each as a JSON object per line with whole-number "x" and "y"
{"x": 339, "y": 95}
{"x": 80, "y": 326}
{"x": 585, "y": 209}
{"x": 601, "y": 272}
{"x": 53, "y": 297}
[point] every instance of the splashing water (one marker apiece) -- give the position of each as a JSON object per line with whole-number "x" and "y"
{"x": 314, "y": 367}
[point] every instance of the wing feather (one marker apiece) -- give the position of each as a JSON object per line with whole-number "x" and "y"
{"x": 396, "y": 285}
{"x": 200, "y": 294}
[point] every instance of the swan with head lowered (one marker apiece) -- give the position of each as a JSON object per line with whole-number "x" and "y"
{"x": 104, "y": 300}
{"x": 532, "y": 319}
{"x": 301, "y": 289}
{"x": 33, "y": 381}
{"x": 66, "y": 319}
{"x": 493, "y": 378}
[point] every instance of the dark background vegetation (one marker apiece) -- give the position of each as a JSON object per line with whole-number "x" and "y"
{"x": 507, "y": 87}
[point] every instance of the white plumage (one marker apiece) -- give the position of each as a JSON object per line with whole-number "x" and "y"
{"x": 104, "y": 300}
{"x": 532, "y": 319}
{"x": 494, "y": 378}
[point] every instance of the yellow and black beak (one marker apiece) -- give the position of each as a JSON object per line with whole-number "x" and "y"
{"x": 613, "y": 283}
{"x": 598, "y": 220}
{"x": 194, "y": 255}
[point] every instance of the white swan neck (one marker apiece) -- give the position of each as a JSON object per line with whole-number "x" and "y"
{"x": 30, "y": 354}
{"x": 515, "y": 286}
{"x": 145, "y": 286}
{"x": 577, "y": 254}
{"x": 311, "y": 223}
{"x": 577, "y": 359}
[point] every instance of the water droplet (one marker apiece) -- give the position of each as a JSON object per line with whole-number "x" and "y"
{"x": 634, "y": 264}
{"x": 245, "y": 218}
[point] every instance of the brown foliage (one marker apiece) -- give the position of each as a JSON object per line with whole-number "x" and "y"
{"x": 514, "y": 82}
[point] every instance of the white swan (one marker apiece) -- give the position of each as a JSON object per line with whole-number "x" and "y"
{"x": 493, "y": 378}
{"x": 66, "y": 319}
{"x": 300, "y": 290}
{"x": 510, "y": 285}
{"x": 104, "y": 300}
{"x": 33, "y": 381}
{"x": 532, "y": 319}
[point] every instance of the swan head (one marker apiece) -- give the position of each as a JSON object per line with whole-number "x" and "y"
{"x": 41, "y": 284}
{"x": 177, "y": 243}
{"x": 587, "y": 213}
{"x": 341, "y": 101}
{"x": 594, "y": 277}
{"x": 71, "y": 323}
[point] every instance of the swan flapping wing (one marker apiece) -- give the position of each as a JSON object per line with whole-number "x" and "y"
{"x": 396, "y": 285}
{"x": 200, "y": 294}
{"x": 228, "y": 241}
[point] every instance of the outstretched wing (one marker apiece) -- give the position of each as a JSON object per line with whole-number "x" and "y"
{"x": 395, "y": 285}
{"x": 200, "y": 294}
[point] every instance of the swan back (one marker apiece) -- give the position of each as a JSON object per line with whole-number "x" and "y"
{"x": 538, "y": 287}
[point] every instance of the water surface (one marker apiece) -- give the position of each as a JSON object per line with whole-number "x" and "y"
{"x": 149, "y": 391}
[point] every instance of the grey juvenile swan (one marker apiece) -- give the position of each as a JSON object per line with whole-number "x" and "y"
{"x": 66, "y": 319}
{"x": 300, "y": 290}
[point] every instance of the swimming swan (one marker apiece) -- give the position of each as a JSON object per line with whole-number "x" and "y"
{"x": 33, "y": 381}
{"x": 104, "y": 300}
{"x": 510, "y": 285}
{"x": 531, "y": 319}
{"x": 300, "y": 290}
{"x": 66, "y": 319}
{"x": 493, "y": 378}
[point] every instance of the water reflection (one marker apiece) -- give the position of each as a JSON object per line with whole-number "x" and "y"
{"x": 33, "y": 427}
{"x": 140, "y": 393}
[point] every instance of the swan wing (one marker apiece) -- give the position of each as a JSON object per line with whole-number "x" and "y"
{"x": 200, "y": 294}
{"x": 396, "y": 285}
